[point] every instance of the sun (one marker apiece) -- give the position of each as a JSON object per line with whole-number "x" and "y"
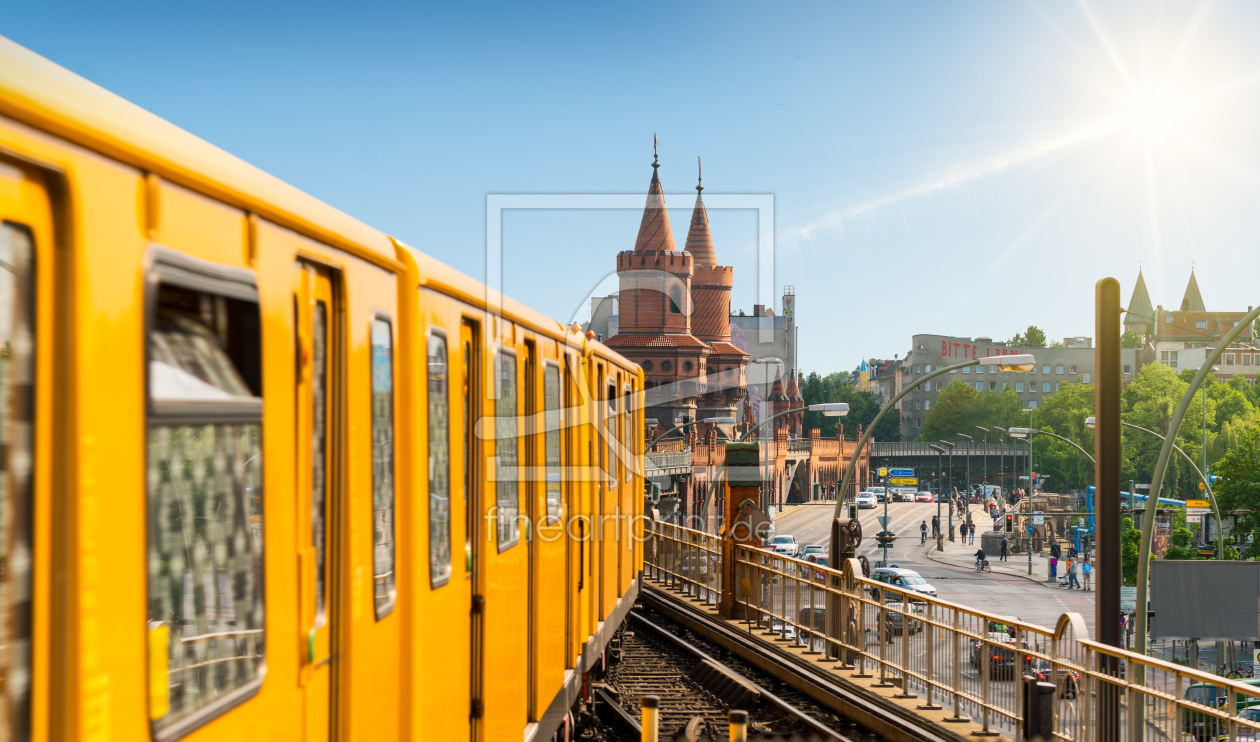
{"x": 1155, "y": 112}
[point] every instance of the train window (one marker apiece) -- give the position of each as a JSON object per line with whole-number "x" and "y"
{"x": 439, "y": 464}
{"x": 551, "y": 443}
{"x": 204, "y": 493}
{"x": 319, "y": 450}
{"x": 505, "y": 423}
{"x": 382, "y": 466}
{"x": 17, "y": 386}
{"x": 610, "y": 435}
{"x": 628, "y": 437}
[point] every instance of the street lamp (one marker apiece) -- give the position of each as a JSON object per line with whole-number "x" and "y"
{"x": 940, "y": 451}
{"x": 1029, "y": 493}
{"x": 1030, "y": 432}
{"x": 1011, "y": 363}
{"x": 707, "y": 420}
{"x": 985, "y": 484}
{"x": 829, "y": 409}
{"x": 952, "y": 488}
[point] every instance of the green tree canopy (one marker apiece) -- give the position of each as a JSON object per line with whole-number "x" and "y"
{"x": 1131, "y": 339}
{"x": 1033, "y": 337}
{"x": 863, "y": 408}
{"x": 1239, "y": 486}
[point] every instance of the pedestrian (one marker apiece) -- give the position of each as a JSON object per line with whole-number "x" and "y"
{"x": 936, "y": 526}
{"x": 1071, "y": 572}
{"x": 972, "y": 531}
{"x": 923, "y": 532}
{"x": 1005, "y": 546}
{"x": 1086, "y": 571}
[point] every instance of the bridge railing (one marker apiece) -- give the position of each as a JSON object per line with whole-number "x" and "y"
{"x": 970, "y": 661}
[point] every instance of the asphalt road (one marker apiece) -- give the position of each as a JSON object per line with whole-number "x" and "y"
{"x": 1004, "y": 595}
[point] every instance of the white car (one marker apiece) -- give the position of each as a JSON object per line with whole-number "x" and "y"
{"x": 785, "y": 545}
{"x": 903, "y": 578}
{"x": 865, "y": 500}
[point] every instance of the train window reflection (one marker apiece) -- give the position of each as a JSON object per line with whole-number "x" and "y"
{"x": 383, "y": 590}
{"x": 439, "y": 464}
{"x": 505, "y": 448}
{"x": 551, "y": 442}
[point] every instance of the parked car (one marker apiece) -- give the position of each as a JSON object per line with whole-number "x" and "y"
{"x": 865, "y": 500}
{"x": 923, "y": 496}
{"x": 785, "y": 545}
{"x": 903, "y": 578}
{"x": 1002, "y": 657}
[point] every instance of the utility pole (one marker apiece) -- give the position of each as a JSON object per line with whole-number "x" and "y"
{"x": 1107, "y": 498}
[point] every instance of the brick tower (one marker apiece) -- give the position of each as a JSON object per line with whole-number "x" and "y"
{"x": 675, "y": 318}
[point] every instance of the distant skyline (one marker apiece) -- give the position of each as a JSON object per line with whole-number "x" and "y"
{"x": 964, "y": 169}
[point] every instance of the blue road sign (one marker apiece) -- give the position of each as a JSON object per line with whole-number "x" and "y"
{"x": 1030, "y": 529}
{"x": 901, "y": 472}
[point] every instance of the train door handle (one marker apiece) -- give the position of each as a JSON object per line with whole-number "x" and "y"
{"x": 478, "y": 605}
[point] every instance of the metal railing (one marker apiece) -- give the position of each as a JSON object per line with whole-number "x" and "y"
{"x": 968, "y": 661}
{"x": 668, "y": 461}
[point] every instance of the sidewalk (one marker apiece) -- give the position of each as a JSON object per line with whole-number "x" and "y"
{"x": 957, "y": 554}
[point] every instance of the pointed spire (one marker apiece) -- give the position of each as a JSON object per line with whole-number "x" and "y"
{"x": 793, "y": 390}
{"x": 1193, "y": 300}
{"x": 654, "y": 231}
{"x": 1140, "y": 311}
{"x": 777, "y": 393}
{"x": 699, "y": 239}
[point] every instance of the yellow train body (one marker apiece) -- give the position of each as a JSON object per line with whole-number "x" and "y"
{"x": 404, "y": 508}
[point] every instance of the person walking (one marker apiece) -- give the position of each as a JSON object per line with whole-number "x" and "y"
{"x": 971, "y": 530}
{"x": 1005, "y": 547}
{"x": 1086, "y": 571}
{"x": 923, "y": 532}
{"x": 1071, "y": 572}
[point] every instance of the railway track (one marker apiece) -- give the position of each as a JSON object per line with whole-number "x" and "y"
{"x": 697, "y": 690}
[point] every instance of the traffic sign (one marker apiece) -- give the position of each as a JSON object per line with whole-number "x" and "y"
{"x": 1191, "y": 512}
{"x": 1128, "y": 599}
{"x": 904, "y": 480}
{"x": 1039, "y": 520}
{"x": 1030, "y": 529}
{"x": 1198, "y": 504}
{"x": 883, "y": 521}
{"x": 901, "y": 472}
{"x": 883, "y": 472}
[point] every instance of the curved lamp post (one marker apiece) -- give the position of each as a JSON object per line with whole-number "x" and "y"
{"x": 1161, "y": 465}
{"x": 984, "y": 484}
{"x": 1207, "y": 486}
{"x": 1011, "y": 363}
{"x": 1030, "y": 432}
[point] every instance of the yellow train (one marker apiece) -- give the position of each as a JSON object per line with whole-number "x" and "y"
{"x": 269, "y": 473}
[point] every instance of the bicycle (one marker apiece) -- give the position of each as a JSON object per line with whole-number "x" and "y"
{"x": 983, "y": 565}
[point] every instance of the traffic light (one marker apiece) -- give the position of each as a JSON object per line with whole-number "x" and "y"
{"x": 1010, "y": 523}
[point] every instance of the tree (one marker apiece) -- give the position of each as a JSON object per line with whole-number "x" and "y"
{"x": 1130, "y": 543}
{"x": 1239, "y": 486}
{"x": 1033, "y": 337}
{"x": 1064, "y": 413}
{"x": 863, "y": 408}
{"x": 1131, "y": 339}
{"x": 951, "y": 414}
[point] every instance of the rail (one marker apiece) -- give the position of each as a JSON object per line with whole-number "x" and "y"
{"x": 970, "y": 662}
{"x": 668, "y": 461}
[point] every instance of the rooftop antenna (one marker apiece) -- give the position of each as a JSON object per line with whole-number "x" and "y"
{"x": 654, "y": 156}
{"x": 699, "y": 173}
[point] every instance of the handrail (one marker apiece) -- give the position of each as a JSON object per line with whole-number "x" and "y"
{"x": 948, "y": 653}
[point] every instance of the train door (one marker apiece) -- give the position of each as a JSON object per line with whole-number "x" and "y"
{"x": 318, "y": 391}
{"x": 26, "y": 249}
{"x": 474, "y": 540}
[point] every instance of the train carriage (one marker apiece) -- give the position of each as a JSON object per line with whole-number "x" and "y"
{"x": 269, "y": 473}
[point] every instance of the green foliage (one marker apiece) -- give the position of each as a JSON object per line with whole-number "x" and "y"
{"x": 1239, "y": 486}
{"x": 1033, "y": 337}
{"x": 1130, "y": 540}
{"x": 1179, "y": 541}
{"x": 863, "y": 408}
{"x": 1131, "y": 339}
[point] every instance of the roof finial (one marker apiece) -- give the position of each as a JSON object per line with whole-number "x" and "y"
{"x": 699, "y": 174}
{"x": 655, "y": 163}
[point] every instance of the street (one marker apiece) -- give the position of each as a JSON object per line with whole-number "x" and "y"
{"x": 1005, "y": 594}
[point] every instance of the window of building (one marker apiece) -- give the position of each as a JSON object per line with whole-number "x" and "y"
{"x": 675, "y": 299}
{"x": 1059, "y": 369}
{"x": 666, "y": 367}
{"x": 1046, "y": 370}
{"x": 1019, "y": 387}
{"x": 918, "y": 422}
{"x": 918, "y": 369}
{"x": 205, "y": 494}
{"x": 1045, "y": 387}
{"x": 918, "y": 404}
{"x": 1086, "y": 376}
{"x": 1127, "y": 369}
{"x": 1246, "y": 359}
{"x": 1229, "y": 359}
{"x": 1168, "y": 358}
{"x": 1168, "y": 319}
{"x": 953, "y": 370}
{"x": 1032, "y": 404}
{"x": 439, "y": 464}
{"x": 993, "y": 369}
{"x": 1072, "y": 370}
{"x": 979, "y": 386}
{"x": 927, "y": 369}
{"x": 1007, "y": 385}
{"x": 1200, "y": 324}
{"x": 927, "y": 404}
{"x": 993, "y": 386}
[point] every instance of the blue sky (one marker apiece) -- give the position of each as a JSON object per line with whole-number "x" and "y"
{"x": 952, "y": 168}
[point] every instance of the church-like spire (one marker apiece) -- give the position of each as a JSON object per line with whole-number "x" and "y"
{"x": 699, "y": 239}
{"x": 1193, "y": 300}
{"x": 654, "y": 231}
{"x": 1140, "y": 311}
